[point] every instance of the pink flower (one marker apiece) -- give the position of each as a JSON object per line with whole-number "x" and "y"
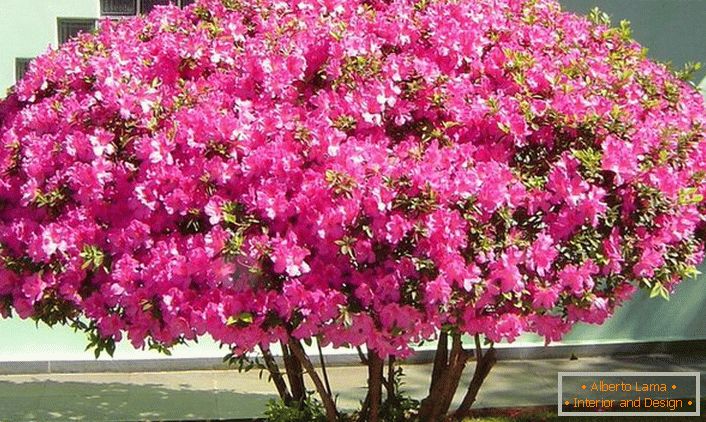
{"x": 438, "y": 291}
{"x": 213, "y": 210}
{"x": 545, "y": 298}
{"x": 505, "y": 270}
{"x": 33, "y": 288}
{"x": 552, "y": 328}
{"x": 509, "y": 326}
{"x": 289, "y": 257}
{"x": 578, "y": 278}
{"x": 542, "y": 254}
{"x": 126, "y": 269}
{"x": 613, "y": 252}
{"x": 396, "y": 228}
{"x": 650, "y": 260}
{"x": 389, "y": 183}
{"x": 619, "y": 157}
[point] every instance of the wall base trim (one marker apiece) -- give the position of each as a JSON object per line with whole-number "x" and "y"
{"x": 423, "y": 356}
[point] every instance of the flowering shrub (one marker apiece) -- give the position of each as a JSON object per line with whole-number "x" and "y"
{"x": 363, "y": 172}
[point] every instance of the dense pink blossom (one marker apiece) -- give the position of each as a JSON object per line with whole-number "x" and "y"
{"x": 366, "y": 172}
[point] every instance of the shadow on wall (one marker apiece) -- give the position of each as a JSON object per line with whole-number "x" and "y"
{"x": 645, "y": 319}
{"x": 654, "y": 319}
{"x": 673, "y": 30}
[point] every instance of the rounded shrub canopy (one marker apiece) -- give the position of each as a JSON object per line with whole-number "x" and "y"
{"x": 366, "y": 172}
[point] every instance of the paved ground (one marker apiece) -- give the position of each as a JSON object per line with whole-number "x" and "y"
{"x": 203, "y": 395}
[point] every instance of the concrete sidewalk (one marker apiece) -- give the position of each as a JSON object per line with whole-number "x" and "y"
{"x": 208, "y": 395}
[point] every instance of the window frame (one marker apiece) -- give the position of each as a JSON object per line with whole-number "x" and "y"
{"x": 135, "y": 7}
{"x": 139, "y": 8}
{"x": 177, "y": 3}
{"x": 21, "y": 67}
{"x": 62, "y": 21}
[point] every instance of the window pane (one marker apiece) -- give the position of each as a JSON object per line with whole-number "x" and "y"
{"x": 147, "y": 5}
{"x": 118, "y": 7}
{"x": 69, "y": 28}
{"x": 21, "y": 67}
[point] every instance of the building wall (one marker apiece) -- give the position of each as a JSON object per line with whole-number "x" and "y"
{"x": 673, "y": 30}
{"x": 29, "y": 27}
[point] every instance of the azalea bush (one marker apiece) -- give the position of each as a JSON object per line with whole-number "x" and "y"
{"x": 362, "y": 174}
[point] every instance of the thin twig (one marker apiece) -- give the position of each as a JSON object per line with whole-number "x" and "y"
{"x": 276, "y": 375}
{"x": 479, "y": 349}
{"x": 323, "y": 367}
{"x": 361, "y": 355}
{"x": 329, "y": 405}
{"x": 390, "y": 384}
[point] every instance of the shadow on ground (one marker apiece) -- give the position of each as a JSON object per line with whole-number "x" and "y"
{"x": 229, "y": 395}
{"x": 77, "y": 401}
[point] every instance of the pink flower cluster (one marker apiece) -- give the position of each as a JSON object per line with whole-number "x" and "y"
{"x": 362, "y": 171}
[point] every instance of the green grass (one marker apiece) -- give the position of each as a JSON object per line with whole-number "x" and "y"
{"x": 545, "y": 414}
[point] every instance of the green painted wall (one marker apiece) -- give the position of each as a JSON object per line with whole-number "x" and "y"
{"x": 673, "y": 30}
{"x": 28, "y": 27}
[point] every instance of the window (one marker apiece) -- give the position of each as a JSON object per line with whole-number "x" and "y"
{"x": 69, "y": 28}
{"x": 118, "y": 7}
{"x": 21, "y": 67}
{"x": 132, "y": 7}
{"x": 147, "y": 5}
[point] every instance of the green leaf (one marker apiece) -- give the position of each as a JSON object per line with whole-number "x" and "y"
{"x": 599, "y": 17}
{"x": 590, "y": 159}
{"x": 690, "y": 196}
{"x": 51, "y": 200}
{"x": 93, "y": 257}
{"x": 340, "y": 183}
{"x": 234, "y": 245}
{"x": 110, "y": 348}
{"x": 345, "y": 123}
{"x": 654, "y": 292}
{"x": 664, "y": 293}
{"x": 625, "y": 29}
{"x": 691, "y": 272}
{"x": 242, "y": 320}
{"x": 688, "y": 71}
{"x": 658, "y": 289}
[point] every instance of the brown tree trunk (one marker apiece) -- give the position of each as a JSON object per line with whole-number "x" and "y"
{"x": 298, "y": 351}
{"x": 457, "y": 363}
{"x": 375, "y": 374}
{"x": 446, "y": 375}
{"x": 277, "y": 377}
{"x": 440, "y": 364}
{"x": 295, "y": 375}
{"x": 484, "y": 363}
